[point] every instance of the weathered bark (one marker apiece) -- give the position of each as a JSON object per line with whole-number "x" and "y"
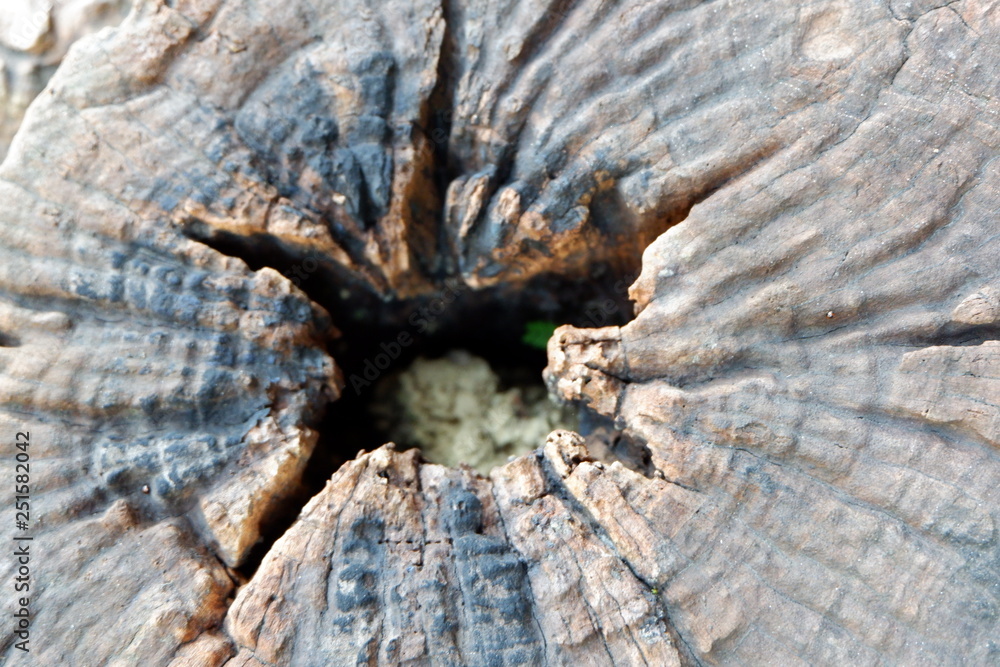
{"x": 811, "y": 371}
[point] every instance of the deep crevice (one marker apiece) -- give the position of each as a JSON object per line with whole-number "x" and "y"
{"x": 488, "y": 323}
{"x": 955, "y": 334}
{"x": 556, "y": 485}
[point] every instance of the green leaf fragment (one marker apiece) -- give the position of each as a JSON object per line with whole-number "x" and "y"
{"x": 538, "y": 333}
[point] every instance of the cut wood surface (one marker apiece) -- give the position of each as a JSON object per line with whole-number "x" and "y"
{"x": 811, "y": 375}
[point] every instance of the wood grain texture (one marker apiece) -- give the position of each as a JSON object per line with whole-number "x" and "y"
{"x": 811, "y": 372}
{"x": 35, "y": 36}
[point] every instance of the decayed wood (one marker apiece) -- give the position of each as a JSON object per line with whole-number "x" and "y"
{"x": 397, "y": 561}
{"x": 34, "y": 37}
{"x": 811, "y": 370}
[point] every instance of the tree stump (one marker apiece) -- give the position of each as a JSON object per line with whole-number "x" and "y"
{"x": 809, "y": 383}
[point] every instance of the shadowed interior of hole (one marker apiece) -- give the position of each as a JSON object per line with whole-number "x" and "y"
{"x": 378, "y": 338}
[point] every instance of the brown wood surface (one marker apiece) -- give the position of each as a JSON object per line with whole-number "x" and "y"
{"x": 811, "y": 374}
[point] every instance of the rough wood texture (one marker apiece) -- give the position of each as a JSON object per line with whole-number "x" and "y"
{"x": 812, "y": 370}
{"x": 396, "y": 561}
{"x": 34, "y": 38}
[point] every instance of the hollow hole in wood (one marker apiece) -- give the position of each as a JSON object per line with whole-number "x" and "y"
{"x": 433, "y": 348}
{"x": 452, "y": 334}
